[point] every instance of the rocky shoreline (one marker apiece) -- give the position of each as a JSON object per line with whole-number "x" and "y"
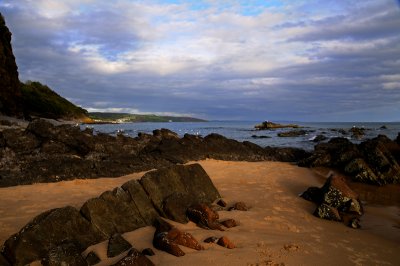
{"x": 43, "y": 152}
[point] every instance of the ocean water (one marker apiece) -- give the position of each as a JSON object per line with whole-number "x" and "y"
{"x": 244, "y": 131}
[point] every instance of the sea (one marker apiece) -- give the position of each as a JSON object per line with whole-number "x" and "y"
{"x": 245, "y": 131}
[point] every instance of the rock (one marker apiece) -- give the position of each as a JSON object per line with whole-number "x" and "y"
{"x": 92, "y": 258}
{"x": 327, "y": 212}
{"x": 313, "y": 194}
{"x": 141, "y": 201}
{"x": 319, "y": 138}
{"x": 148, "y": 252}
{"x": 229, "y": 223}
{"x": 357, "y": 132}
{"x": 260, "y": 137}
{"x": 113, "y": 212}
{"x": 383, "y": 127}
{"x": 165, "y": 134}
{"x": 335, "y": 200}
{"x": 293, "y": 133}
{"x": 47, "y": 231}
{"x": 65, "y": 254}
{"x": 221, "y": 203}
{"x": 19, "y": 141}
{"x": 10, "y": 92}
{"x": 167, "y": 238}
{"x": 176, "y": 182}
{"x": 239, "y": 206}
{"x": 270, "y": 125}
{"x": 116, "y": 245}
{"x": 226, "y": 243}
{"x": 211, "y": 239}
{"x": 134, "y": 258}
{"x": 204, "y": 217}
{"x": 3, "y": 261}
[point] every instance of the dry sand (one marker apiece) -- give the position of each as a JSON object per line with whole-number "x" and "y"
{"x": 279, "y": 229}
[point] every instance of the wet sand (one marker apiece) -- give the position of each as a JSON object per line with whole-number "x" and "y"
{"x": 279, "y": 227}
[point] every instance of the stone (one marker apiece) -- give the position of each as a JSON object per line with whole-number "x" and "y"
{"x": 226, "y": 243}
{"x": 239, "y": 206}
{"x": 229, "y": 223}
{"x": 319, "y": 138}
{"x": 92, "y": 258}
{"x": 47, "y": 231}
{"x": 148, "y": 252}
{"x": 271, "y": 125}
{"x": 141, "y": 200}
{"x": 203, "y": 216}
{"x": 113, "y": 212}
{"x": 357, "y": 132}
{"x": 291, "y": 134}
{"x": 313, "y": 194}
{"x": 116, "y": 245}
{"x": 65, "y": 254}
{"x": 211, "y": 239}
{"x": 3, "y": 261}
{"x": 167, "y": 238}
{"x": 190, "y": 180}
{"x": 221, "y": 203}
{"x": 327, "y": 212}
{"x": 134, "y": 258}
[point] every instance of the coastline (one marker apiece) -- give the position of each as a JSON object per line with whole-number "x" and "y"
{"x": 279, "y": 227}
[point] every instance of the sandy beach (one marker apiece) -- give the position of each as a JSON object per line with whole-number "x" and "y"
{"x": 279, "y": 228}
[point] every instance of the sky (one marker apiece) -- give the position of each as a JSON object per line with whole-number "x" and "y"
{"x": 305, "y": 60}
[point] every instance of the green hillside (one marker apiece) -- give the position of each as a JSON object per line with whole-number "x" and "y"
{"x": 40, "y": 100}
{"x": 125, "y": 117}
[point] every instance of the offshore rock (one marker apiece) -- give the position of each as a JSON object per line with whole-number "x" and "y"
{"x": 271, "y": 125}
{"x": 291, "y": 134}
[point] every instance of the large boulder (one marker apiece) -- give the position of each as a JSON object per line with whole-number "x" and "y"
{"x": 190, "y": 180}
{"x": 335, "y": 201}
{"x": 48, "y": 231}
{"x": 65, "y": 254}
{"x": 113, "y": 212}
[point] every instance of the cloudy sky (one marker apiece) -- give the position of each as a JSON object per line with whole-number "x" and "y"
{"x": 305, "y": 60}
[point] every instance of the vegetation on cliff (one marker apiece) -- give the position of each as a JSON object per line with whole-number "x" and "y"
{"x": 40, "y": 100}
{"x": 125, "y": 117}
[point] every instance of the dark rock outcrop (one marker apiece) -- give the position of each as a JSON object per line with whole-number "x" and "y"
{"x": 116, "y": 245}
{"x": 68, "y": 253}
{"x": 56, "y": 235}
{"x": 167, "y": 238}
{"x": 271, "y": 125}
{"x": 335, "y": 201}
{"x": 48, "y": 231}
{"x": 167, "y": 189}
{"x": 113, "y": 212}
{"x": 44, "y": 152}
{"x": 226, "y": 243}
{"x": 320, "y": 138}
{"x": 374, "y": 161}
{"x": 92, "y": 258}
{"x": 134, "y": 258}
{"x": 291, "y": 134}
{"x": 10, "y": 93}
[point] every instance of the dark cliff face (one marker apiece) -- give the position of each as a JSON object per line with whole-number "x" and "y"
{"x": 10, "y": 93}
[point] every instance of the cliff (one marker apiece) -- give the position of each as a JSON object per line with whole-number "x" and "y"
{"x": 10, "y": 92}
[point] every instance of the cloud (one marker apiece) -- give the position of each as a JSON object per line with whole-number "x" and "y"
{"x": 302, "y": 60}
